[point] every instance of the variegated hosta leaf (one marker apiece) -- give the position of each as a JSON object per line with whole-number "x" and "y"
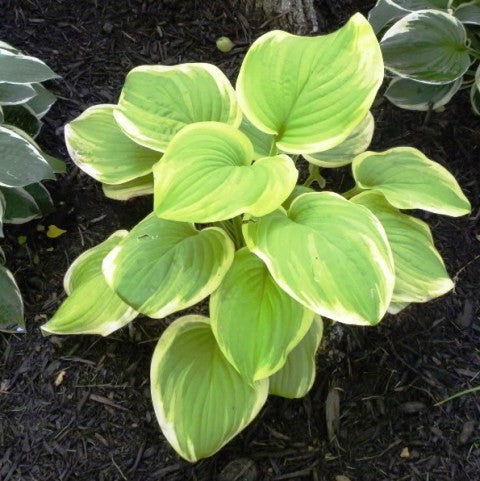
{"x": 475, "y": 99}
{"x": 329, "y": 254}
{"x": 162, "y": 266}
{"x": 91, "y": 306}
{"x": 420, "y": 273}
{"x": 298, "y": 190}
{"x": 428, "y": 46}
{"x": 11, "y": 304}
{"x": 41, "y": 196}
{"x": 207, "y": 175}
{"x": 343, "y": 154}
{"x": 201, "y": 402}
{"x": 296, "y": 377}
{"x": 100, "y": 148}
{"x": 11, "y": 94}
{"x": 21, "y": 163}
{"x": 256, "y": 323}
{"x": 411, "y": 95}
{"x": 42, "y": 101}
{"x": 128, "y": 190}
{"x": 311, "y": 92}
{"x": 23, "y": 117}
{"x": 2, "y": 213}
{"x": 157, "y": 101}
{"x": 469, "y": 12}
{"x": 396, "y": 307}
{"x": 16, "y": 68}
{"x": 262, "y": 142}
{"x": 415, "y": 5}
{"x": 20, "y": 207}
{"x": 383, "y": 13}
{"x": 409, "y": 180}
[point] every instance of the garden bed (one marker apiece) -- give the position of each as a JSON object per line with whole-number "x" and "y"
{"x": 78, "y": 408}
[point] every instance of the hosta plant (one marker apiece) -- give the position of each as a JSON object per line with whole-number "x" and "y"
{"x": 23, "y": 165}
{"x": 230, "y": 222}
{"x": 430, "y": 48}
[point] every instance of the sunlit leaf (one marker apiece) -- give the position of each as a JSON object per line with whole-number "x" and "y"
{"x": 207, "y": 175}
{"x": 200, "y": 400}
{"x": 311, "y": 92}
{"x": 255, "y": 322}
{"x": 158, "y": 100}
{"x": 410, "y": 180}
{"x": 162, "y": 266}
{"x": 329, "y": 254}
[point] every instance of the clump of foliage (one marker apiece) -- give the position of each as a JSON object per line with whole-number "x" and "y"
{"x": 230, "y": 222}
{"x": 431, "y": 48}
{"x": 23, "y": 165}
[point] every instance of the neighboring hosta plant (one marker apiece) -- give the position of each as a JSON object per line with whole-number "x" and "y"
{"x": 431, "y": 48}
{"x": 23, "y": 165}
{"x": 229, "y": 222}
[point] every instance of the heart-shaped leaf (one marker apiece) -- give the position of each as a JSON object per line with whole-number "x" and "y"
{"x": 256, "y": 323}
{"x": 91, "y": 306}
{"x": 412, "y": 95}
{"x": 201, "y": 402}
{"x": 409, "y": 180}
{"x": 99, "y": 147}
{"x": 296, "y": 377}
{"x": 420, "y": 273}
{"x": 428, "y": 46}
{"x": 162, "y": 266}
{"x": 329, "y": 254}
{"x": 469, "y": 12}
{"x": 343, "y": 154}
{"x": 207, "y": 175}
{"x": 157, "y": 101}
{"x": 383, "y": 13}
{"x": 311, "y": 92}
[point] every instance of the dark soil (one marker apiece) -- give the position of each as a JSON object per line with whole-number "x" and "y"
{"x": 78, "y": 408}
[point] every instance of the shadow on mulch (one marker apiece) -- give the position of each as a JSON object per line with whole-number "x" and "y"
{"x": 79, "y": 408}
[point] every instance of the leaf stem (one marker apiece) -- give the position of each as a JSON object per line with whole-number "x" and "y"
{"x": 352, "y": 192}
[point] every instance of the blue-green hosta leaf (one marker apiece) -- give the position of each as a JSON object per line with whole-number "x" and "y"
{"x": 2, "y": 213}
{"x": 21, "y": 69}
{"x": 207, "y": 175}
{"x": 21, "y": 163}
{"x": 11, "y": 94}
{"x": 8, "y": 47}
{"x": 329, "y": 254}
{"x": 428, "y": 46}
{"x": 40, "y": 104}
{"x": 91, "y": 306}
{"x": 469, "y": 13}
{"x": 420, "y": 273}
{"x": 256, "y": 323}
{"x": 157, "y": 101}
{"x": 297, "y": 376}
{"x": 410, "y": 180}
{"x": 162, "y": 266}
{"x": 311, "y": 92}
{"x": 411, "y": 95}
{"x": 415, "y": 5}
{"x": 262, "y": 142}
{"x": 21, "y": 207}
{"x": 41, "y": 196}
{"x": 343, "y": 154}
{"x": 99, "y": 147}
{"x": 200, "y": 400}
{"x": 383, "y": 13}
{"x": 23, "y": 117}
{"x": 11, "y": 304}
{"x": 2, "y": 255}
{"x": 128, "y": 190}
{"x": 475, "y": 99}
